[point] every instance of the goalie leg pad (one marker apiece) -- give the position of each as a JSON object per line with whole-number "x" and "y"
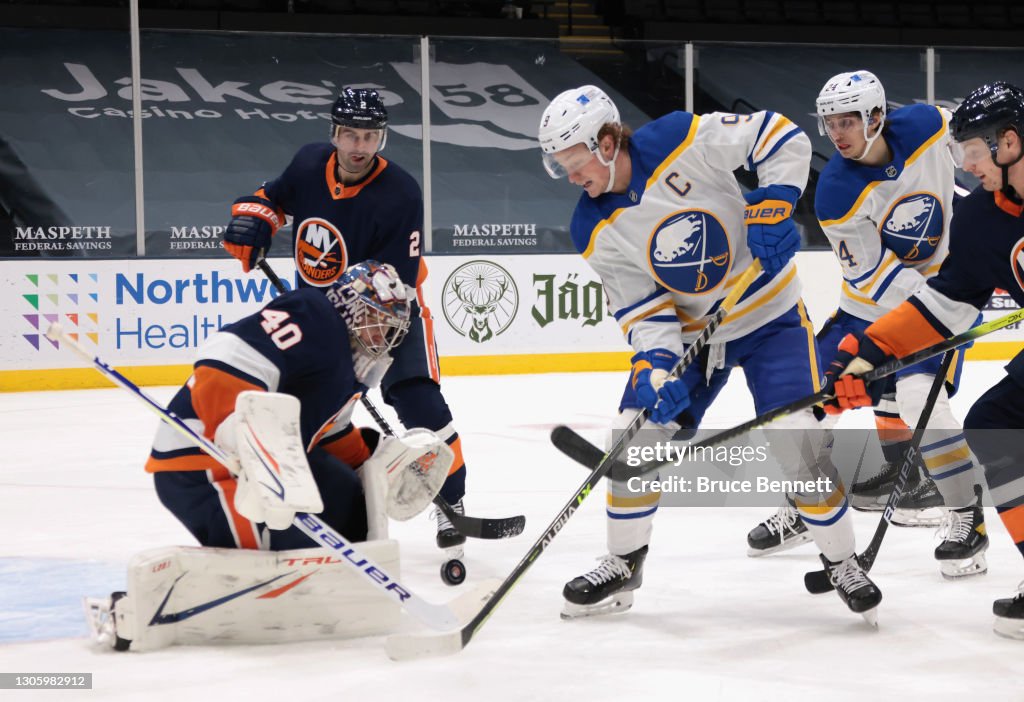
{"x": 183, "y": 595}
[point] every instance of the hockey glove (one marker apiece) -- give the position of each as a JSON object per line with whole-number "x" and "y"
{"x": 771, "y": 234}
{"x": 254, "y": 220}
{"x": 854, "y": 358}
{"x": 664, "y": 395}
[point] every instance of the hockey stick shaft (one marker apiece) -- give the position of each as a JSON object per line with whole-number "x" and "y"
{"x": 439, "y": 617}
{"x": 818, "y": 581}
{"x": 468, "y": 631}
{"x": 881, "y": 371}
{"x": 471, "y": 527}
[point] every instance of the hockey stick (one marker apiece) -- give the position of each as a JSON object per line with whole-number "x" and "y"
{"x": 817, "y": 581}
{"x": 882, "y": 371}
{"x": 409, "y": 646}
{"x": 441, "y": 617}
{"x": 470, "y": 527}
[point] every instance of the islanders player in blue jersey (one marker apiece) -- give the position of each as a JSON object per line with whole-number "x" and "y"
{"x": 664, "y": 223}
{"x": 348, "y": 203}
{"x": 884, "y": 201}
{"x": 986, "y": 252}
{"x": 325, "y": 350}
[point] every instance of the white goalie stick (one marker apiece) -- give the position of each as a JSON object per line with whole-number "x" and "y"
{"x": 467, "y": 525}
{"x": 441, "y": 617}
{"x": 411, "y": 646}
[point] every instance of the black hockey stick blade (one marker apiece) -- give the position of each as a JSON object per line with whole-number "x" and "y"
{"x": 576, "y": 447}
{"x": 482, "y": 527}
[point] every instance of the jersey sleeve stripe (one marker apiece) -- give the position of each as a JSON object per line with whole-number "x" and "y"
{"x": 880, "y": 290}
{"x": 796, "y": 131}
{"x": 232, "y": 352}
{"x": 643, "y": 315}
{"x": 660, "y": 292}
{"x": 762, "y": 144}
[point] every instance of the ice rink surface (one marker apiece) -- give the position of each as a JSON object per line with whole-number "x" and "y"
{"x": 709, "y": 622}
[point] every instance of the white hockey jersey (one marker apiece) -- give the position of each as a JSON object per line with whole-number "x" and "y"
{"x": 889, "y": 226}
{"x": 669, "y": 250}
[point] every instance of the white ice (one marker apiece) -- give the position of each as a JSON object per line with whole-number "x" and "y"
{"x": 709, "y": 623}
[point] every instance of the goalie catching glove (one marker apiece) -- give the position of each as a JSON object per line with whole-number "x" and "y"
{"x": 416, "y": 463}
{"x": 263, "y": 441}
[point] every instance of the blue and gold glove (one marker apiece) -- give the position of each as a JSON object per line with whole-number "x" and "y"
{"x": 771, "y": 234}
{"x": 662, "y": 394}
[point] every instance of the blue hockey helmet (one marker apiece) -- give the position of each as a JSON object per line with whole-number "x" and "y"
{"x": 987, "y": 112}
{"x": 360, "y": 108}
{"x": 375, "y": 305}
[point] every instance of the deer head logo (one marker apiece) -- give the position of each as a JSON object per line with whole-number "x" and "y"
{"x": 478, "y": 295}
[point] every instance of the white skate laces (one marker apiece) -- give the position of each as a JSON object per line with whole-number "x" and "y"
{"x": 784, "y": 519}
{"x": 848, "y": 575}
{"x": 611, "y": 567}
{"x": 956, "y": 526}
{"x": 443, "y": 522}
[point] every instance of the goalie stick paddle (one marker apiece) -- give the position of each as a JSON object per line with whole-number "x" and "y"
{"x": 817, "y": 581}
{"x": 441, "y": 617}
{"x": 409, "y": 646}
{"x": 469, "y": 526}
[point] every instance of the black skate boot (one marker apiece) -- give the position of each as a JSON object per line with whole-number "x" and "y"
{"x": 869, "y": 495}
{"x": 607, "y": 588}
{"x": 920, "y": 506}
{"x": 854, "y": 587}
{"x": 780, "y": 532}
{"x": 448, "y": 537}
{"x": 962, "y": 551}
{"x": 1010, "y": 615}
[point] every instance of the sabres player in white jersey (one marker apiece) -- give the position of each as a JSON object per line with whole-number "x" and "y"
{"x": 664, "y": 223}
{"x": 885, "y": 201}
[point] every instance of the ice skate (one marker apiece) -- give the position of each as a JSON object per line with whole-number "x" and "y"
{"x": 869, "y": 495}
{"x": 100, "y": 614}
{"x": 920, "y": 506}
{"x": 780, "y": 532}
{"x": 962, "y": 551}
{"x": 453, "y": 571}
{"x": 448, "y": 537}
{"x": 1010, "y": 615}
{"x": 854, "y": 587}
{"x": 606, "y": 589}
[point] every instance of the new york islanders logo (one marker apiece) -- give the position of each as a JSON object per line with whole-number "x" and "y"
{"x": 912, "y": 228}
{"x": 320, "y": 253}
{"x": 1017, "y": 262}
{"x": 689, "y": 252}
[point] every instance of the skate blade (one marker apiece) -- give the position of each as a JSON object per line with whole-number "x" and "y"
{"x": 929, "y": 517}
{"x": 1009, "y": 628}
{"x": 789, "y": 543}
{"x": 615, "y": 604}
{"x": 964, "y": 567}
{"x": 453, "y": 553}
{"x": 871, "y": 617}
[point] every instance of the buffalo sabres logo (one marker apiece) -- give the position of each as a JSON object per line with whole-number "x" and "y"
{"x": 320, "y": 253}
{"x": 1017, "y": 262}
{"x": 689, "y": 252}
{"x": 912, "y": 229}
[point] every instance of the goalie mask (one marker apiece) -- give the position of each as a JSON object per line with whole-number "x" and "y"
{"x": 360, "y": 108}
{"x": 374, "y": 303}
{"x": 860, "y": 92}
